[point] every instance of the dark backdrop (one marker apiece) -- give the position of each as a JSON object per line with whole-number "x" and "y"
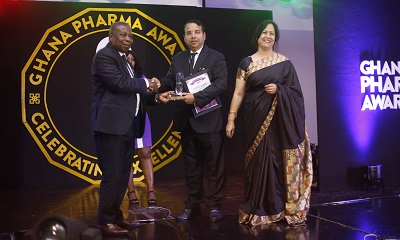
{"x": 347, "y": 33}
{"x": 23, "y": 164}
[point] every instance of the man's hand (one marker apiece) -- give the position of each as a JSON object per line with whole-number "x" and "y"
{"x": 188, "y": 98}
{"x": 163, "y": 97}
{"x": 154, "y": 85}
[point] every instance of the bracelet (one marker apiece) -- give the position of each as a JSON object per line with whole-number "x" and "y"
{"x": 234, "y": 113}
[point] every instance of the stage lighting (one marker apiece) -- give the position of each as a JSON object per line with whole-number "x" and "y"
{"x": 60, "y": 227}
{"x": 375, "y": 173}
{"x": 375, "y": 177}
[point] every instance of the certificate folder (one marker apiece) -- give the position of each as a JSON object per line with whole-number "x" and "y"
{"x": 196, "y": 83}
{"x": 214, "y": 104}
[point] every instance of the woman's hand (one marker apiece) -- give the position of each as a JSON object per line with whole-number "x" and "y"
{"x": 270, "y": 88}
{"x": 230, "y": 129}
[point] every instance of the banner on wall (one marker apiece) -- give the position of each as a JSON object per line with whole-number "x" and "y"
{"x": 56, "y": 79}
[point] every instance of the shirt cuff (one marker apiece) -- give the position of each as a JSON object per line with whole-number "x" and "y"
{"x": 146, "y": 81}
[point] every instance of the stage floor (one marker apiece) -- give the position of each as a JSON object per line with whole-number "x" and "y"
{"x": 344, "y": 214}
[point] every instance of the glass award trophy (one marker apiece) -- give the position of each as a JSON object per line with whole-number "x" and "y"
{"x": 178, "y": 86}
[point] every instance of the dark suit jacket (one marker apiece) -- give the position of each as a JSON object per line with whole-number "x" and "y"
{"x": 114, "y": 93}
{"x": 214, "y": 63}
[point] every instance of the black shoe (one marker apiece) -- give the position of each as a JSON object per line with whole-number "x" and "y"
{"x": 215, "y": 215}
{"x": 188, "y": 213}
{"x": 113, "y": 229}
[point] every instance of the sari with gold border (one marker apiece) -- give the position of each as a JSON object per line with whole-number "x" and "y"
{"x": 278, "y": 166}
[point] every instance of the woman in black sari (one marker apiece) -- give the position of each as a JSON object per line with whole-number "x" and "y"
{"x": 278, "y": 167}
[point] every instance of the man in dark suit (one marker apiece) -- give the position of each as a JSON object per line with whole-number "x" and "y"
{"x": 114, "y": 107}
{"x": 202, "y": 136}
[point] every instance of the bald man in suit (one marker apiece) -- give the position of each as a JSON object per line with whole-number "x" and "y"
{"x": 114, "y": 107}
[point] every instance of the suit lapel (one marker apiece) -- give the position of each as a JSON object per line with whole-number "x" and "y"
{"x": 185, "y": 63}
{"x": 121, "y": 61}
{"x": 201, "y": 59}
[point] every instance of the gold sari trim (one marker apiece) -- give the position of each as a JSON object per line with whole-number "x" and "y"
{"x": 241, "y": 74}
{"x": 261, "y": 133}
{"x": 265, "y": 62}
{"x": 254, "y": 219}
{"x": 260, "y": 64}
{"x": 298, "y": 180}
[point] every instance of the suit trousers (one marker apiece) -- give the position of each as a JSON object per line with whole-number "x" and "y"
{"x": 115, "y": 156}
{"x": 204, "y": 152}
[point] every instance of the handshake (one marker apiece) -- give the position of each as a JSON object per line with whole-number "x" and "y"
{"x": 154, "y": 85}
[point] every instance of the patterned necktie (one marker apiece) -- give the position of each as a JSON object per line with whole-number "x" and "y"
{"x": 128, "y": 66}
{"x": 191, "y": 61}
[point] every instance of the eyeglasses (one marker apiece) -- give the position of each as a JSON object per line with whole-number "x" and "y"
{"x": 196, "y": 32}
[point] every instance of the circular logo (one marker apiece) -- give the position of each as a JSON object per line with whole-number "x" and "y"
{"x": 56, "y": 88}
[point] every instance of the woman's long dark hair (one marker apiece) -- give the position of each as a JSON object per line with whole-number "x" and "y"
{"x": 138, "y": 66}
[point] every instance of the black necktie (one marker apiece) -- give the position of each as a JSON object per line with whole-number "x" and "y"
{"x": 191, "y": 62}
